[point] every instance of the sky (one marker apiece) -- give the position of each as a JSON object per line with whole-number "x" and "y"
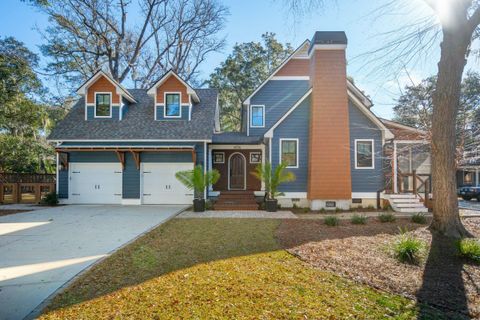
{"x": 363, "y": 23}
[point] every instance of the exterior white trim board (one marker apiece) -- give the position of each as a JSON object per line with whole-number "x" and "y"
{"x": 364, "y": 195}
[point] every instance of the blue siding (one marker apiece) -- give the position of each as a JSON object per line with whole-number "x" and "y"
{"x": 365, "y": 180}
{"x": 91, "y": 114}
{"x": 278, "y": 96}
{"x": 184, "y": 113}
{"x": 85, "y": 156}
{"x": 131, "y": 178}
{"x": 166, "y": 157}
{"x": 63, "y": 184}
{"x": 295, "y": 126}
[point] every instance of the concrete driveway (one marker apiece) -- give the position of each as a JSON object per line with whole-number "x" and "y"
{"x": 41, "y": 250}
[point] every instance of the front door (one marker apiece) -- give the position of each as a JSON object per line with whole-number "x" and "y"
{"x": 237, "y": 172}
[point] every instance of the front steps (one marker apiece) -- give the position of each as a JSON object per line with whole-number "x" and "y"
{"x": 236, "y": 201}
{"x": 407, "y": 203}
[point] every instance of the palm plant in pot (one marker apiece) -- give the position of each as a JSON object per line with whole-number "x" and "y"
{"x": 198, "y": 180}
{"x": 272, "y": 180}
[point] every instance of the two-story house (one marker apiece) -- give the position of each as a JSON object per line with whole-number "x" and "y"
{"x": 124, "y": 146}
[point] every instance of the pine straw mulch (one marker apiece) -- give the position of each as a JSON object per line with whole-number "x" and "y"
{"x": 361, "y": 252}
{"x": 4, "y": 212}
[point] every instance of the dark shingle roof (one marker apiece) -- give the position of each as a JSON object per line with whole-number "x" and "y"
{"x": 234, "y": 137}
{"x": 329, "y": 37}
{"x": 139, "y": 122}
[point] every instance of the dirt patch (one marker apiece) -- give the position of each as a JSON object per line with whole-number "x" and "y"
{"x": 361, "y": 253}
{"x": 4, "y": 212}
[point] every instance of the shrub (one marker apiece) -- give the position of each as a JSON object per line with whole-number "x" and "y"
{"x": 371, "y": 207}
{"x": 358, "y": 219}
{"x": 407, "y": 248}
{"x": 306, "y": 210}
{"x": 332, "y": 221}
{"x": 322, "y": 210}
{"x": 470, "y": 249}
{"x": 386, "y": 217}
{"x": 209, "y": 205}
{"x": 419, "y": 218}
{"x": 338, "y": 210}
{"x": 50, "y": 199}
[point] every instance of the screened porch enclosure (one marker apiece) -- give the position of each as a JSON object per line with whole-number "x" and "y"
{"x": 411, "y": 167}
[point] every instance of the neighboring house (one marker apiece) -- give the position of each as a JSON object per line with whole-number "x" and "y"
{"x": 468, "y": 173}
{"x": 124, "y": 146}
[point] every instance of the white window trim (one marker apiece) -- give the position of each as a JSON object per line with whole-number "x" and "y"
{"x": 255, "y": 152}
{"x": 95, "y": 104}
{"x": 165, "y": 104}
{"x": 218, "y": 152}
{"x": 280, "y": 151}
{"x": 372, "y": 141}
{"x": 263, "y": 115}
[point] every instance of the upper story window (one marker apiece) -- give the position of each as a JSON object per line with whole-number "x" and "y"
{"x": 103, "y": 105}
{"x": 172, "y": 105}
{"x": 364, "y": 154}
{"x": 289, "y": 152}
{"x": 257, "y": 116}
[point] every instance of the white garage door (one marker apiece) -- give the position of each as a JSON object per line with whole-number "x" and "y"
{"x": 160, "y": 185}
{"x": 95, "y": 183}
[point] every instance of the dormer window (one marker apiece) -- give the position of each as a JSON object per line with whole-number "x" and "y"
{"x": 103, "y": 105}
{"x": 172, "y": 105}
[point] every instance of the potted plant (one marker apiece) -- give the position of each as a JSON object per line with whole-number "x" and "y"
{"x": 272, "y": 179}
{"x": 198, "y": 181}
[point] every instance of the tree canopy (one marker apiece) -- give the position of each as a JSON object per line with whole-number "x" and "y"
{"x": 25, "y": 118}
{"x": 415, "y": 107}
{"x": 135, "y": 40}
{"x": 242, "y": 71}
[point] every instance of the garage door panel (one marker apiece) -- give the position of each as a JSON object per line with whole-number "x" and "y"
{"x": 160, "y": 185}
{"x": 95, "y": 183}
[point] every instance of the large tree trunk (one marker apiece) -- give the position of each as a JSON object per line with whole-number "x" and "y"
{"x": 446, "y": 219}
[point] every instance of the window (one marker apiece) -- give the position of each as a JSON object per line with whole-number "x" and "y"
{"x": 257, "y": 116}
{"x": 219, "y": 157}
{"x": 255, "y": 157}
{"x": 172, "y": 105}
{"x": 103, "y": 107}
{"x": 289, "y": 152}
{"x": 364, "y": 154}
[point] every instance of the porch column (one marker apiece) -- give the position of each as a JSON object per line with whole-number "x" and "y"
{"x": 395, "y": 187}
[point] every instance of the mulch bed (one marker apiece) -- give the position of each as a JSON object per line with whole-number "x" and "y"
{"x": 7, "y": 212}
{"x": 361, "y": 252}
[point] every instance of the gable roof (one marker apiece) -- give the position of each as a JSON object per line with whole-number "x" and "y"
{"x": 138, "y": 122}
{"x": 120, "y": 89}
{"x": 299, "y": 50}
{"x": 168, "y": 74}
{"x": 404, "y": 132}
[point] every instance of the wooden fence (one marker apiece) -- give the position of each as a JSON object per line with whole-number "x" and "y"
{"x": 24, "y": 187}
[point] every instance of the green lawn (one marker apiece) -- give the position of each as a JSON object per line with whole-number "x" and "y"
{"x": 218, "y": 269}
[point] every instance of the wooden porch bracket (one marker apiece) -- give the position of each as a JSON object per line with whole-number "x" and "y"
{"x": 194, "y": 157}
{"x": 136, "y": 157}
{"x": 121, "y": 158}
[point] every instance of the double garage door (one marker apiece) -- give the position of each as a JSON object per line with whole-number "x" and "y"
{"x": 101, "y": 183}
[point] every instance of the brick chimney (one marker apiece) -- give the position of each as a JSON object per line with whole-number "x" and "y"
{"x": 329, "y": 177}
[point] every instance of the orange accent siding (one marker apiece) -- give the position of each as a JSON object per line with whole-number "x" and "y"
{"x": 295, "y": 67}
{"x": 102, "y": 85}
{"x": 329, "y": 157}
{"x": 172, "y": 84}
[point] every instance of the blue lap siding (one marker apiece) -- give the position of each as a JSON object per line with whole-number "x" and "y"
{"x": 160, "y": 110}
{"x": 295, "y": 126}
{"x": 278, "y": 96}
{"x": 361, "y": 127}
{"x": 130, "y": 178}
{"x": 91, "y": 114}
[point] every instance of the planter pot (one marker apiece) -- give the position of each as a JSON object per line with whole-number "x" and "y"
{"x": 271, "y": 205}
{"x": 198, "y": 205}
